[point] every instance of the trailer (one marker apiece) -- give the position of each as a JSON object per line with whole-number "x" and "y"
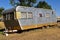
{"x": 23, "y": 18}
{"x": 58, "y": 19}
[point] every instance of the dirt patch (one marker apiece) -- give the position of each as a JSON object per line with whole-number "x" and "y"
{"x": 39, "y": 34}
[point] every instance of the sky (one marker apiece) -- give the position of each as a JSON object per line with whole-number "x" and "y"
{"x": 55, "y": 4}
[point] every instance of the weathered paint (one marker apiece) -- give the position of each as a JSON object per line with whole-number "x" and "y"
{"x": 36, "y": 26}
{"x": 18, "y": 15}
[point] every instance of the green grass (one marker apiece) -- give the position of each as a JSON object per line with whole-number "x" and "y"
{"x": 1, "y": 32}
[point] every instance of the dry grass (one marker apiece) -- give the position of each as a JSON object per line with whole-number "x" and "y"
{"x": 2, "y": 25}
{"x": 38, "y": 34}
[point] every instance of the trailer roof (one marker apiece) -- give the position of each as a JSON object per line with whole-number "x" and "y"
{"x": 16, "y": 8}
{"x": 8, "y": 10}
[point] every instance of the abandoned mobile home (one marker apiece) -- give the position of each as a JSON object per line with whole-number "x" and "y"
{"x": 21, "y": 18}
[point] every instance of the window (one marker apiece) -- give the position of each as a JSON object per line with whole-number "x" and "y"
{"x": 4, "y": 16}
{"x": 23, "y": 15}
{"x": 29, "y": 15}
{"x": 47, "y": 15}
{"x": 8, "y": 16}
{"x": 26, "y": 15}
{"x": 12, "y": 16}
{"x": 40, "y": 15}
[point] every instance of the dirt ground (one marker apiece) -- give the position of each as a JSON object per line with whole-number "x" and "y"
{"x": 52, "y": 33}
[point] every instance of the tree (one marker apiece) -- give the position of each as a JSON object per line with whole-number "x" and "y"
{"x": 1, "y": 9}
{"x": 12, "y": 2}
{"x": 22, "y": 2}
{"x": 29, "y": 3}
{"x": 43, "y": 4}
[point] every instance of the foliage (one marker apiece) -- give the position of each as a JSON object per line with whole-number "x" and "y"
{"x": 1, "y": 9}
{"x": 43, "y": 4}
{"x": 30, "y": 3}
{"x": 13, "y": 3}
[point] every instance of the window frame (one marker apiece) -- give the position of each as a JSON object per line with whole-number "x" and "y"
{"x": 47, "y": 15}
{"x": 25, "y": 15}
{"x": 31, "y": 15}
{"x": 12, "y": 16}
